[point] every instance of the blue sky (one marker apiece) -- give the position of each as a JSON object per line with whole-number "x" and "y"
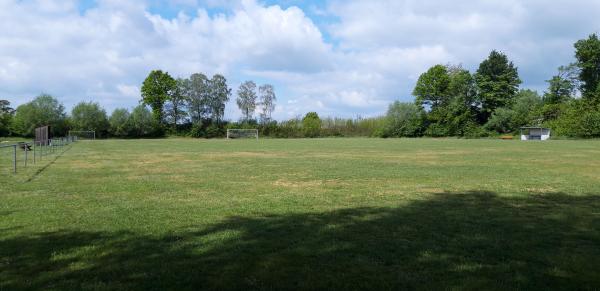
{"x": 339, "y": 58}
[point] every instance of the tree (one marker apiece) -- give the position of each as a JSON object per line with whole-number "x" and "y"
{"x": 120, "y": 123}
{"x": 311, "y": 125}
{"x": 587, "y": 52}
{"x": 43, "y": 110}
{"x": 524, "y": 111}
{"x": 403, "y": 119}
{"x": 175, "y": 106}
{"x": 448, "y": 92}
{"x": 199, "y": 102}
{"x": 218, "y": 97}
{"x": 432, "y": 87}
{"x": 89, "y": 116}
{"x": 562, "y": 86}
{"x": 157, "y": 88}
{"x": 267, "y": 100}
{"x": 6, "y": 115}
{"x": 497, "y": 81}
{"x": 142, "y": 122}
{"x": 246, "y": 100}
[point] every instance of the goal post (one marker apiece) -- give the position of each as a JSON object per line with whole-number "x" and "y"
{"x": 83, "y": 134}
{"x": 242, "y": 133}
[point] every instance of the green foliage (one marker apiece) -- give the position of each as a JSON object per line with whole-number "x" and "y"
{"x": 449, "y": 94}
{"x": 432, "y": 87}
{"x": 266, "y": 102}
{"x": 120, "y": 123}
{"x": 197, "y": 91}
{"x": 311, "y": 125}
{"x": 578, "y": 118}
{"x": 524, "y": 111}
{"x": 403, "y": 120}
{"x": 43, "y": 110}
{"x": 497, "y": 81}
{"x": 347, "y": 127}
{"x": 219, "y": 95}
{"x": 6, "y": 115}
{"x": 587, "y": 52}
{"x": 175, "y": 108}
{"x": 157, "y": 89}
{"x": 561, "y": 88}
{"x": 246, "y": 100}
{"x": 214, "y": 130}
{"x": 143, "y": 124}
{"x": 291, "y": 128}
{"x": 90, "y": 116}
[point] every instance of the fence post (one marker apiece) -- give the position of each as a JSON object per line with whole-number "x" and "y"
{"x": 34, "y": 152}
{"x": 15, "y": 158}
{"x": 25, "y": 163}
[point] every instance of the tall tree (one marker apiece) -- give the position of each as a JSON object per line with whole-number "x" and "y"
{"x": 43, "y": 110}
{"x": 562, "y": 86}
{"x": 246, "y": 99}
{"x": 6, "y": 114}
{"x": 462, "y": 109}
{"x": 175, "y": 106}
{"x": 199, "y": 102}
{"x": 157, "y": 88}
{"x": 267, "y": 100}
{"x": 432, "y": 87}
{"x": 498, "y": 82}
{"x": 587, "y": 52}
{"x": 219, "y": 95}
{"x": 89, "y": 116}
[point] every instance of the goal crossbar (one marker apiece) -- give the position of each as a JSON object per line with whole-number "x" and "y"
{"x": 83, "y": 133}
{"x": 242, "y": 133}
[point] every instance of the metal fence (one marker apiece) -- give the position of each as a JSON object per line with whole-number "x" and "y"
{"x": 17, "y": 156}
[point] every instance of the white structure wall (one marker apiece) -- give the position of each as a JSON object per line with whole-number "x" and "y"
{"x": 536, "y": 134}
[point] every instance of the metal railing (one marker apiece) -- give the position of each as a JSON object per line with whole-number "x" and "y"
{"x": 21, "y": 154}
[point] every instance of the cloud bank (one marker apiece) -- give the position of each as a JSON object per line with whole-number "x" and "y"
{"x": 342, "y": 58}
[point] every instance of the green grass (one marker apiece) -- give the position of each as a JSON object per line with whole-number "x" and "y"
{"x": 305, "y": 214}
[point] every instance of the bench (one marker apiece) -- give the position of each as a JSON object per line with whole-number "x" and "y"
{"x": 25, "y": 146}
{"x": 506, "y": 137}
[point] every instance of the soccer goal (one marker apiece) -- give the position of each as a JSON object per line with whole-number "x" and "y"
{"x": 242, "y": 133}
{"x": 83, "y": 134}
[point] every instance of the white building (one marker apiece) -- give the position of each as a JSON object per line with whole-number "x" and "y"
{"x": 535, "y": 133}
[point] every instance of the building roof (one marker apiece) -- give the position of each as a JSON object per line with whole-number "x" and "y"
{"x": 533, "y": 127}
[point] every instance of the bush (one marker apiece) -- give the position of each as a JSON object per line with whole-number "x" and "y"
{"x": 403, "y": 119}
{"x": 311, "y": 125}
{"x": 213, "y": 130}
{"x": 43, "y": 110}
{"x": 120, "y": 123}
{"x": 197, "y": 130}
{"x": 90, "y": 116}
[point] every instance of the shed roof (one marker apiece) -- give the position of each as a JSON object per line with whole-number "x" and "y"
{"x": 533, "y": 127}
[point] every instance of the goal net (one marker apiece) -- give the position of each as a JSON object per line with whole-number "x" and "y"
{"x": 83, "y": 134}
{"x": 242, "y": 133}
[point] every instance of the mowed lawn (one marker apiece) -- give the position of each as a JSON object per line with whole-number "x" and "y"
{"x": 305, "y": 214}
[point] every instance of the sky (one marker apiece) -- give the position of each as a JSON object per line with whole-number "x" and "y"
{"x": 338, "y": 58}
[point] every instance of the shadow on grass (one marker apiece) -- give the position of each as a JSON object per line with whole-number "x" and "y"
{"x": 47, "y": 165}
{"x": 474, "y": 240}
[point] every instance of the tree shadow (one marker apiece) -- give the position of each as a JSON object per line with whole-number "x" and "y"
{"x": 475, "y": 240}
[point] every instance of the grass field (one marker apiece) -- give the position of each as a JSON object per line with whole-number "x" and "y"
{"x": 305, "y": 214}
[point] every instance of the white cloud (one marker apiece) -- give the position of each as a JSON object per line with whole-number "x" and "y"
{"x": 376, "y": 51}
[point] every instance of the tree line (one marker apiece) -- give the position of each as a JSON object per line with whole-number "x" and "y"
{"x": 449, "y": 101}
